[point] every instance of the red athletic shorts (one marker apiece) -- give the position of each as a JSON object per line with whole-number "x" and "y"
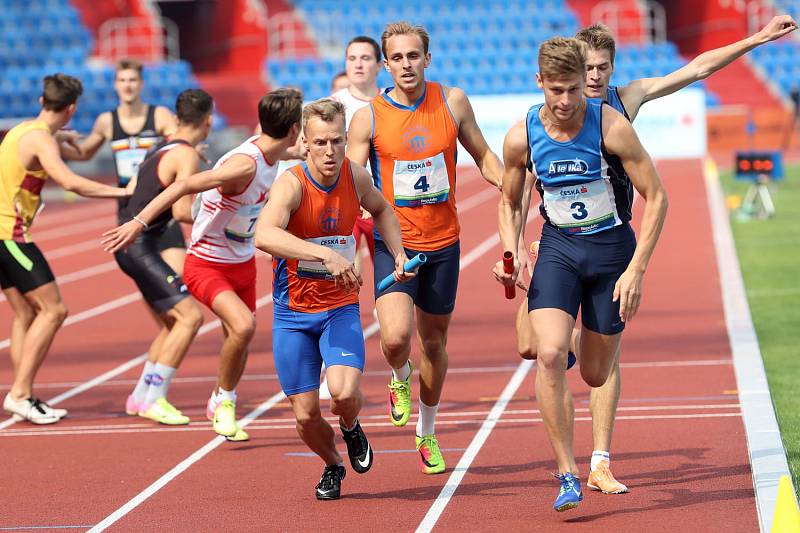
{"x": 364, "y": 227}
{"x": 206, "y": 279}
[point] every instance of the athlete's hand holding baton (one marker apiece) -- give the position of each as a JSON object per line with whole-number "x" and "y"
{"x": 506, "y": 272}
{"x": 404, "y": 271}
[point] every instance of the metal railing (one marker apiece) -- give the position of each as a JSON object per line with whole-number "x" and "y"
{"x": 288, "y": 34}
{"x": 650, "y": 22}
{"x": 147, "y": 39}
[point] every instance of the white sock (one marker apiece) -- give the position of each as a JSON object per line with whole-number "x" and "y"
{"x": 226, "y": 395}
{"x": 598, "y": 456}
{"x": 402, "y": 373}
{"x": 159, "y": 383}
{"x": 427, "y": 419}
{"x": 140, "y": 391}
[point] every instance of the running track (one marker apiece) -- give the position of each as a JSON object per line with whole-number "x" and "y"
{"x": 679, "y": 442}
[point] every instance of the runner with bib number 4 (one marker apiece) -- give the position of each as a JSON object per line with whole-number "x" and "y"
{"x": 307, "y": 226}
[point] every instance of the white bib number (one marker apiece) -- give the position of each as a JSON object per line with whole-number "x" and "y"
{"x": 128, "y": 162}
{"x": 581, "y": 209}
{"x": 344, "y": 245}
{"x": 242, "y": 227}
{"x": 421, "y": 182}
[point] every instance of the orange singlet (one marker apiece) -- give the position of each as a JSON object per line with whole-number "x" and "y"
{"x": 326, "y": 216}
{"x": 413, "y": 157}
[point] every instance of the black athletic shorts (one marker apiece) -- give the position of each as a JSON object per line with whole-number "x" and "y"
{"x": 172, "y": 237}
{"x": 161, "y": 286}
{"x": 23, "y": 266}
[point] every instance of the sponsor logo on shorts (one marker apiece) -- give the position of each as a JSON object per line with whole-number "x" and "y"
{"x": 568, "y": 167}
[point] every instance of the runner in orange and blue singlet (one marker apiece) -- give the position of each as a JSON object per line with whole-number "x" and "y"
{"x": 307, "y": 226}
{"x": 409, "y": 133}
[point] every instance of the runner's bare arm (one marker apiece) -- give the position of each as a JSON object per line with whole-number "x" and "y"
{"x": 236, "y": 171}
{"x": 471, "y": 137}
{"x": 272, "y": 237}
{"x": 68, "y": 144}
{"x": 101, "y": 132}
{"x": 643, "y": 90}
{"x": 621, "y": 139}
{"x": 385, "y": 220}
{"x": 298, "y": 151}
{"x": 359, "y": 134}
{"x": 515, "y": 149}
{"x": 166, "y": 123}
{"x": 44, "y": 147}
{"x": 178, "y": 164}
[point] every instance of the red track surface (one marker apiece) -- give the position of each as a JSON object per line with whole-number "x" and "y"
{"x": 679, "y": 440}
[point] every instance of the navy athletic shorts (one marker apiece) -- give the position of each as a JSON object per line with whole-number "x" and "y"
{"x": 434, "y": 288}
{"x": 575, "y": 271}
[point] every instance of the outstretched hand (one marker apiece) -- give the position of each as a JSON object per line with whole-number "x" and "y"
{"x": 776, "y": 28}
{"x": 121, "y": 237}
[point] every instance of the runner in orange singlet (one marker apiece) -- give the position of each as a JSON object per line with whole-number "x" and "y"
{"x": 409, "y": 133}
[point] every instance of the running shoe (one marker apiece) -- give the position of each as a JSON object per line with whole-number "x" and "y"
{"x": 358, "y": 449}
{"x": 31, "y": 409}
{"x": 225, "y": 419}
{"x": 603, "y": 480}
{"x": 330, "y": 484}
{"x": 54, "y": 411}
{"x": 164, "y": 412}
{"x": 240, "y": 435}
{"x": 430, "y": 455}
{"x": 400, "y": 398}
{"x": 569, "y": 495}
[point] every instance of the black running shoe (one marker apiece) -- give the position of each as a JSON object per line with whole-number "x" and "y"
{"x": 330, "y": 484}
{"x": 358, "y": 448}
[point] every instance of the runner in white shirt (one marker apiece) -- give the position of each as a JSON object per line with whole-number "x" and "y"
{"x": 362, "y": 64}
{"x": 220, "y": 266}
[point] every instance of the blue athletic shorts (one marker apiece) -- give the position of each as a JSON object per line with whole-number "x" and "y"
{"x": 575, "y": 271}
{"x": 434, "y": 289}
{"x": 301, "y": 342}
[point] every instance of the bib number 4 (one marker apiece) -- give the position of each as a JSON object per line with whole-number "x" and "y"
{"x": 422, "y": 184}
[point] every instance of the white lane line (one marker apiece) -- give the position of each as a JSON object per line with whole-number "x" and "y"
{"x": 365, "y": 419}
{"x": 124, "y": 367}
{"x": 764, "y": 444}
{"x": 91, "y": 313}
{"x": 273, "y": 426}
{"x": 50, "y": 218}
{"x": 474, "y": 447}
{"x": 382, "y": 373}
{"x": 71, "y": 229}
{"x": 181, "y": 467}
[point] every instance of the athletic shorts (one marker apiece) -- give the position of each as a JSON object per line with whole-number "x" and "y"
{"x": 575, "y": 271}
{"x": 301, "y": 342}
{"x": 206, "y": 279}
{"x": 23, "y": 266}
{"x": 172, "y": 237}
{"x": 365, "y": 227}
{"x": 434, "y": 288}
{"x": 160, "y": 286}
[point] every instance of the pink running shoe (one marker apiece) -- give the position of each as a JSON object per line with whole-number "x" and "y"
{"x": 211, "y": 406}
{"x": 131, "y": 407}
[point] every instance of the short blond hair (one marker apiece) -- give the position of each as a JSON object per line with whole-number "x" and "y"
{"x": 129, "y": 64}
{"x": 404, "y": 28}
{"x": 326, "y": 109}
{"x": 562, "y": 57}
{"x": 598, "y": 37}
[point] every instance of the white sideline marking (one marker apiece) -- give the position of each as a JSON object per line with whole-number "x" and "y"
{"x": 474, "y": 447}
{"x": 764, "y": 444}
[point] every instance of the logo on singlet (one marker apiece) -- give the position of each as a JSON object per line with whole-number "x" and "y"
{"x": 416, "y": 138}
{"x": 329, "y": 220}
{"x": 567, "y": 167}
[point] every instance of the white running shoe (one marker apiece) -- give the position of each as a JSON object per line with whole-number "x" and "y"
{"x": 31, "y": 409}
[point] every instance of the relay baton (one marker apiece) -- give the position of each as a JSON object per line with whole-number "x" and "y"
{"x": 411, "y": 264}
{"x": 508, "y": 268}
